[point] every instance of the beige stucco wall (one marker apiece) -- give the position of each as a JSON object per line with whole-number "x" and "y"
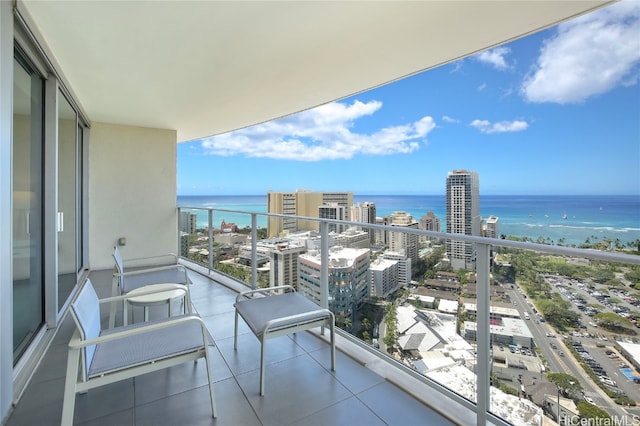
{"x": 132, "y": 192}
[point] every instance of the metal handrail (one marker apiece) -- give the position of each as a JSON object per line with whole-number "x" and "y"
{"x": 483, "y": 247}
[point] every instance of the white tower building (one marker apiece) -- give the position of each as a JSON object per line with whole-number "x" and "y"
{"x": 463, "y": 216}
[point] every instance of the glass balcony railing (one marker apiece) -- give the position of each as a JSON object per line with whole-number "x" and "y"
{"x": 518, "y": 331}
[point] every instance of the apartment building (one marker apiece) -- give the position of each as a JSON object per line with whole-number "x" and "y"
{"x": 282, "y": 254}
{"x": 365, "y": 212}
{"x": 348, "y": 279}
{"x": 404, "y": 266}
{"x": 384, "y": 277}
{"x": 400, "y": 242}
{"x": 336, "y": 212}
{"x": 429, "y": 222}
{"x": 463, "y": 216}
{"x": 492, "y": 227}
{"x": 301, "y": 203}
{"x": 188, "y": 222}
{"x": 352, "y": 238}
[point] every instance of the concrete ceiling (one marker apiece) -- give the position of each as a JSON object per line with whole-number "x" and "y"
{"x": 208, "y": 67}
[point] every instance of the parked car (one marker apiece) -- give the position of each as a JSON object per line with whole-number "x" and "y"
{"x": 608, "y": 381}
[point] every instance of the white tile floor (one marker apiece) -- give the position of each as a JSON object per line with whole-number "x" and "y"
{"x": 300, "y": 388}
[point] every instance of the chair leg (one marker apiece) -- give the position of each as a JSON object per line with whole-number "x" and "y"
{"x": 188, "y": 307}
{"x": 210, "y": 377}
{"x": 69, "y": 401}
{"x": 262, "y": 356}
{"x": 114, "y": 292}
{"x": 332, "y": 332}
{"x": 125, "y": 314}
{"x": 235, "y": 333}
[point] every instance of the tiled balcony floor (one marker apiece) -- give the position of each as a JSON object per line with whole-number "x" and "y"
{"x": 300, "y": 388}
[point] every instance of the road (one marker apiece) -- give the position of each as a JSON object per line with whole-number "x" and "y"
{"x": 567, "y": 363}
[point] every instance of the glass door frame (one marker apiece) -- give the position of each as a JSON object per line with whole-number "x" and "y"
{"x": 27, "y": 187}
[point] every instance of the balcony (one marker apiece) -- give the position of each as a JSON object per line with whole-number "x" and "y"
{"x": 368, "y": 387}
{"x": 301, "y": 389}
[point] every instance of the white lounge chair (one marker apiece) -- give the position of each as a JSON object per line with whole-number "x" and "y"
{"x": 107, "y": 356}
{"x": 278, "y": 314}
{"x": 125, "y": 281}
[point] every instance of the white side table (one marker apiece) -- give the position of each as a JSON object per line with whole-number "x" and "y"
{"x": 161, "y": 294}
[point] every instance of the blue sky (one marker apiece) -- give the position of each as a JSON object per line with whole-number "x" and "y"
{"x": 557, "y": 112}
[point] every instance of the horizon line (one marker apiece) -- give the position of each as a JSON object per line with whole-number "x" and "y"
{"x": 417, "y": 194}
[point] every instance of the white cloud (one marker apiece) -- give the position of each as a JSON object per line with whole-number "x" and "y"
{"x": 457, "y": 66}
{"x": 495, "y": 57}
{"x": 322, "y": 133}
{"x": 448, "y": 119}
{"x": 482, "y": 87}
{"x": 588, "y": 56}
{"x": 486, "y": 126}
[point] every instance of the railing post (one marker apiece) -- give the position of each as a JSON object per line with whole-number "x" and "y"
{"x": 324, "y": 264}
{"x": 179, "y": 251}
{"x": 483, "y": 362}
{"x": 254, "y": 249}
{"x": 210, "y": 227}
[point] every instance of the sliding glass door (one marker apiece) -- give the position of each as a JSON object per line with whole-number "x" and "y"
{"x": 28, "y": 124}
{"x": 68, "y": 205}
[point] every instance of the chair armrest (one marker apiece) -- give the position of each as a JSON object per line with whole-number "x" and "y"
{"x": 136, "y": 260}
{"x": 77, "y": 343}
{"x": 147, "y": 270}
{"x": 296, "y": 320}
{"x": 245, "y": 294}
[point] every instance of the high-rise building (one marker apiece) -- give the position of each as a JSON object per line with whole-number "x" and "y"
{"x": 365, "y": 212}
{"x": 348, "y": 280}
{"x": 188, "y": 222}
{"x": 402, "y": 242}
{"x": 283, "y": 258}
{"x": 429, "y": 222}
{"x": 333, "y": 211}
{"x": 384, "y": 277}
{"x": 491, "y": 228}
{"x": 404, "y": 267}
{"x": 463, "y": 216}
{"x": 283, "y": 261}
{"x": 352, "y": 238}
{"x": 300, "y": 203}
{"x": 381, "y": 236}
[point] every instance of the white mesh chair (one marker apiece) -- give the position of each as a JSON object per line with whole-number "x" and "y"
{"x": 125, "y": 281}
{"x": 278, "y": 314}
{"x": 107, "y": 356}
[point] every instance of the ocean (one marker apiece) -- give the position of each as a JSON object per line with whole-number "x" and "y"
{"x": 573, "y": 218}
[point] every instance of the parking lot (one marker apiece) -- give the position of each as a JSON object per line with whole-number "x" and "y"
{"x": 595, "y": 346}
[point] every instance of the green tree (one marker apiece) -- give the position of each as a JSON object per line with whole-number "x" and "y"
{"x": 612, "y": 321}
{"x": 463, "y": 276}
{"x": 365, "y": 324}
{"x": 590, "y": 411}
{"x": 558, "y": 312}
{"x": 634, "y": 245}
{"x": 348, "y": 323}
{"x": 633, "y": 274}
{"x": 567, "y": 383}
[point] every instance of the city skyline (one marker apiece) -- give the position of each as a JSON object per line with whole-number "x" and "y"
{"x": 557, "y": 112}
